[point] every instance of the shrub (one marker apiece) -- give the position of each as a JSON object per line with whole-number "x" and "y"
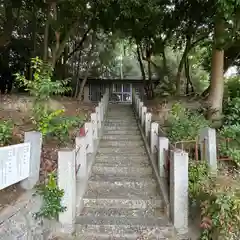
{"x": 52, "y": 197}
{"x": 6, "y": 131}
{"x": 42, "y": 88}
{"x": 184, "y": 124}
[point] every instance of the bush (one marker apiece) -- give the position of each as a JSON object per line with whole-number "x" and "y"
{"x": 219, "y": 202}
{"x": 184, "y": 124}
{"x": 6, "y": 132}
{"x": 42, "y": 87}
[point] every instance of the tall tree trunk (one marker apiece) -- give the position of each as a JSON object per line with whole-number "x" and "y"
{"x": 141, "y": 65}
{"x": 89, "y": 60}
{"x": 34, "y": 38}
{"x": 215, "y": 97}
{"x": 181, "y": 65}
{"x": 46, "y": 35}
{"x": 188, "y": 77}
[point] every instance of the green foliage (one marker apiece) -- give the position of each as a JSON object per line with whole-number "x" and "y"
{"x": 220, "y": 212}
{"x": 230, "y": 142}
{"x": 218, "y": 201}
{"x": 231, "y": 111}
{"x": 42, "y": 88}
{"x": 197, "y": 175}
{"x": 6, "y": 131}
{"x": 52, "y": 196}
{"x": 184, "y": 124}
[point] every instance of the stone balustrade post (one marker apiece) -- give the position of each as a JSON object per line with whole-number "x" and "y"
{"x": 98, "y": 112}
{"x": 179, "y": 190}
{"x": 81, "y": 156}
{"x": 154, "y": 137}
{"x": 140, "y": 110}
{"x": 144, "y": 111}
{"x": 89, "y": 137}
{"x": 148, "y": 119}
{"x": 94, "y": 125}
{"x": 208, "y": 147}
{"x": 35, "y": 139}
{"x": 101, "y": 111}
{"x": 163, "y": 145}
{"x": 67, "y": 182}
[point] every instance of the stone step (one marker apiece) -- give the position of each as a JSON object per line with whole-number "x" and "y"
{"x": 122, "y": 171}
{"x": 123, "y": 163}
{"x": 125, "y": 137}
{"x": 123, "y": 212}
{"x": 90, "y": 201}
{"x": 120, "y": 121}
{"x": 121, "y": 143}
{"x": 123, "y": 157}
{"x": 122, "y": 132}
{"x": 124, "y": 228}
{"x": 129, "y": 181}
{"x": 121, "y": 128}
{"x": 120, "y": 150}
{"x": 102, "y": 189}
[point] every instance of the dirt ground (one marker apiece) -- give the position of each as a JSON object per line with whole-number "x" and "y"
{"x": 17, "y": 108}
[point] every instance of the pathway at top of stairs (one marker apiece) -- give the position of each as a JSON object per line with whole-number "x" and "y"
{"x": 122, "y": 200}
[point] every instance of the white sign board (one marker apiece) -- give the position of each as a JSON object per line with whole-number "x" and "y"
{"x": 14, "y": 164}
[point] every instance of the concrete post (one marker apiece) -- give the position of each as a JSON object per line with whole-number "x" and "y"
{"x": 89, "y": 136}
{"x": 98, "y": 112}
{"x": 94, "y": 125}
{"x": 179, "y": 190}
{"x": 81, "y": 156}
{"x": 209, "y": 148}
{"x": 154, "y": 137}
{"x": 140, "y": 110}
{"x": 35, "y": 139}
{"x": 163, "y": 145}
{"x": 144, "y": 111}
{"x": 67, "y": 182}
{"x": 101, "y": 111}
{"x": 148, "y": 119}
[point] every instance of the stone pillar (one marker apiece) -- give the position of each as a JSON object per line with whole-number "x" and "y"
{"x": 94, "y": 125}
{"x": 81, "y": 156}
{"x": 154, "y": 137}
{"x": 35, "y": 139}
{"x": 140, "y": 110}
{"x": 67, "y": 182}
{"x": 98, "y": 112}
{"x": 163, "y": 145}
{"x": 179, "y": 190}
{"x": 208, "y": 147}
{"x": 101, "y": 111}
{"x": 86, "y": 94}
{"x": 144, "y": 111}
{"x": 89, "y": 137}
{"x": 148, "y": 119}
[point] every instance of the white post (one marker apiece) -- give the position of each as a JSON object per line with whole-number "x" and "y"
{"x": 140, "y": 110}
{"x": 101, "y": 111}
{"x": 148, "y": 119}
{"x": 98, "y": 112}
{"x": 209, "y": 148}
{"x": 137, "y": 108}
{"x": 67, "y": 182}
{"x": 179, "y": 190}
{"x": 163, "y": 145}
{"x": 89, "y": 137}
{"x": 81, "y": 156}
{"x": 94, "y": 125}
{"x": 144, "y": 111}
{"x": 35, "y": 139}
{"x": 154, "y": 137}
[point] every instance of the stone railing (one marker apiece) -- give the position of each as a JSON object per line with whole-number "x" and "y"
{"x": 74, "y": 166}
{"x": 170, "y": 164}
{"x": 175, "y": 195}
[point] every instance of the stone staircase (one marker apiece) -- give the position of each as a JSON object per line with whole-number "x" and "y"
{"x": 122, "y": 200}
